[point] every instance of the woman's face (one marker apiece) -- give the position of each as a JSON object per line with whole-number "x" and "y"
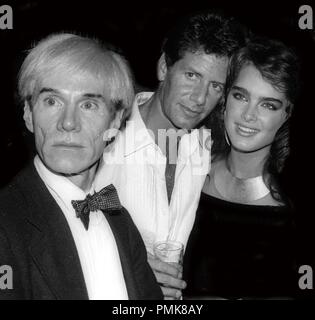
{"x": 255, "y": 110}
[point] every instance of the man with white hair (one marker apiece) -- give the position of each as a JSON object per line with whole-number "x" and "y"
{"x": 63, "y": 240}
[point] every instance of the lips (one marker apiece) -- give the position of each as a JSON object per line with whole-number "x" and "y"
{"x": 68, "y": 145}
{"x": 246, "y": 131}
{"x": 190, "y": 111}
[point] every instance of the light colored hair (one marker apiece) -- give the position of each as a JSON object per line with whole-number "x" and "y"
{"x": 76, "y": 54}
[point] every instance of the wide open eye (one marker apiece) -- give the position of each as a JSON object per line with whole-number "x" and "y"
{"x": 269, "y": 106}
{"x": 52, "y": 102}
{"x": 89, "y": 105}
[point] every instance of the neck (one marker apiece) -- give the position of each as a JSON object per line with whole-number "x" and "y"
{"x": 153, "y": 116}
{"x": 84, "y": 179}
{"x": 247, "y": 165}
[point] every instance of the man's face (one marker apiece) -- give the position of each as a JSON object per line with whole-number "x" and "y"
{"x": 69, "y": 118}
{"x": 191, "y": 87}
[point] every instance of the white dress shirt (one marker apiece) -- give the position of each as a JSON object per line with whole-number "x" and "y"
{"x": 96, "y": 246}
{"x": 135, "y": 165}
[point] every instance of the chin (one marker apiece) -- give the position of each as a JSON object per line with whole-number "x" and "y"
{"x": 184, "y": 125}
{"x": 246, "y": 148}
{"x": 67, "y": 166}
{"x": 243, "y": 150}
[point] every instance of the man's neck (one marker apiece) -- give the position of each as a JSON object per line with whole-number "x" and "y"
{"x": 153, "y": 116}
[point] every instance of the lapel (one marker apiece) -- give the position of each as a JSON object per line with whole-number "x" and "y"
{"x": 51, "y": 246}
{"x": 120, "y": 228}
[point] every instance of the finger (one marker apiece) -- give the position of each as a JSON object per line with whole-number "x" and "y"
{"x": 170, "y": 281}
{"x": 163, "y": 267}
{"x": 150, "y": 255}
{"x": 170, "y": 293}
{"x": 160, "y": 262}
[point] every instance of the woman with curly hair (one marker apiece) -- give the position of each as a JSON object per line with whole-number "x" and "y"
{"x": 241, "y": 244}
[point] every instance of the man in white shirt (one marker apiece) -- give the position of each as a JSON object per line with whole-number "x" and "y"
{"x": 158, "y": 179}
{"x": 63, "y": 240}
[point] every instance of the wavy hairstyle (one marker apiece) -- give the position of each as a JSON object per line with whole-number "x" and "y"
{"x": 278, "y": 65}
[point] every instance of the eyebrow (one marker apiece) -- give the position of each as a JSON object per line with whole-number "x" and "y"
{"x": 43, "y": 90}
{"x": 219, "y": 82}
{"x": 243, "y": 90}
{"x": 85, "y": 95}
{"x": 192, "y": 69}
{"x": 95, "y": 96}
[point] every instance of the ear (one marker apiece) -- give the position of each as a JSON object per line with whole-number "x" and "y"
{"x": 28, "y": 117}
{"x": 161, "y": 68}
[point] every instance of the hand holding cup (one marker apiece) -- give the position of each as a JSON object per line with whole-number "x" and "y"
{"x": 167, "y": 266}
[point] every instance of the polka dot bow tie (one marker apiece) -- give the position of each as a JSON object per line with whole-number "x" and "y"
{"x": 104, "y": 200}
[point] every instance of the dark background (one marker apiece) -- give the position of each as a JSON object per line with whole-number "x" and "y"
{"x": 138, "y": 28}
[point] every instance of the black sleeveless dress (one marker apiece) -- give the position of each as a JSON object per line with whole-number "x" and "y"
{"x": 240, "y": 251}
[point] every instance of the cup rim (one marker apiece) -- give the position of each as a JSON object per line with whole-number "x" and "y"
{"x": 174, "y": 242}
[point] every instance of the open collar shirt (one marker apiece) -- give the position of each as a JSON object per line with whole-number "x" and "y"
{"x": 135, "y": 165}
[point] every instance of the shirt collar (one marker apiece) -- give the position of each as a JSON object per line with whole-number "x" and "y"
{"x": 138, "y": 136}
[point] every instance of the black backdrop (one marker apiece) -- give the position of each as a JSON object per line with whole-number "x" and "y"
{"x": 138, "y": 28}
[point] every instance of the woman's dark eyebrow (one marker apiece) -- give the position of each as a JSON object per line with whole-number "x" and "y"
{"x": 243, "y": 90}
{"x": 272, "y": 100}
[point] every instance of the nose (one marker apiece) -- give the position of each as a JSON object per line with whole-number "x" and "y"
{"x": 250, "y": 113}
{"x": 199, "y": 94}
{"x": 69, "y": 119}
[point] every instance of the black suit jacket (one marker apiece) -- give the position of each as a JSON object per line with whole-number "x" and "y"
{"x": 36, "y": 241}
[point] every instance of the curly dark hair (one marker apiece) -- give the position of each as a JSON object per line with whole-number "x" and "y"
{"x": 278, "y": 65}
{"x": 212, "y": 32}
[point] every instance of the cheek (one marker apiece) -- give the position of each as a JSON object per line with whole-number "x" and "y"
{"x": 98, "y": 149}
{"x": 97, "y": 130}
{"x": 229, "y": 108}
{"x": 43, "y": 129}
{"x": 177, "y": 88}
{"x": 170, "y": 98}
{"x": 273, "y": 124}
{"x": 229, "y": 115}
{"x": 97, "y": 145}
